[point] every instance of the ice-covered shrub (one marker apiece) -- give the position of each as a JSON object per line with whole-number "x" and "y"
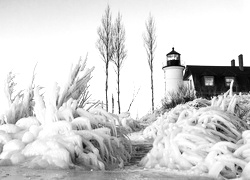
{"x": 181, "y": 96}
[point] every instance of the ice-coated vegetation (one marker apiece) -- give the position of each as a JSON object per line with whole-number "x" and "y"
{"x": 57, "y": 128}
{"x": 210, "y": 140}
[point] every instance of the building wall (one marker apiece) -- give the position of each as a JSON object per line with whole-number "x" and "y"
{"x": 173, "y": 78}
{"x": 189, "y": 83}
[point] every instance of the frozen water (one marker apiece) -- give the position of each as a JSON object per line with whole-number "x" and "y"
{"x": 15, "y": 172}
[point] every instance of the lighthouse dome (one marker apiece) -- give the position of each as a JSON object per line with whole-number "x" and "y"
{"x": 173, "y": 58}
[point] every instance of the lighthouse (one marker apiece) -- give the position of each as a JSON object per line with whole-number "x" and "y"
{"x": 173, "y": 72}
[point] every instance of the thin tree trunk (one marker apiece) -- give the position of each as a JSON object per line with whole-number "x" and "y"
{"x": 113, "y": 104}
{"x": 152, "y": 88}
{"x": 118, "y": 91}
{"x": 106, "y": 88}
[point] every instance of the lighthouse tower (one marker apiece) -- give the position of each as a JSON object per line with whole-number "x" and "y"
{"x": 173, "y": 72}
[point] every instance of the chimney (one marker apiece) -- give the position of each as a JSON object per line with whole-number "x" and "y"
{"x": 233, "y": 63}
{"x": 241, "y": 62}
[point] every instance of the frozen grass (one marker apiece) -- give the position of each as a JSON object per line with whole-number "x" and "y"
{"x": 181, "y": 96}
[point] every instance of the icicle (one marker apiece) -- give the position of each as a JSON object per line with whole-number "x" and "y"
{"x": 231, "y": 88}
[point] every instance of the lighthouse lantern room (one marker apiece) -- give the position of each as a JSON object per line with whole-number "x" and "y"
{"x": 173, "y": 72}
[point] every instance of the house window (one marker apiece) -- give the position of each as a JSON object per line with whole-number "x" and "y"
{"x": 209, "y": 80}
{"x": 228, "y": 80}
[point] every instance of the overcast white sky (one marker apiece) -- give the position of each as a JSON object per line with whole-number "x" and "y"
{"x": 55, "y": 33}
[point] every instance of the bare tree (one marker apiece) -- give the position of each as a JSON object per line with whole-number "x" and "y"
{"x": 105, "y": 44}
{"x": 120, "y": 52}
{"x": 150, "y": 45}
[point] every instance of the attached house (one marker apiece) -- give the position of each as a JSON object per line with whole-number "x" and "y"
{"x": 208, "y": 81}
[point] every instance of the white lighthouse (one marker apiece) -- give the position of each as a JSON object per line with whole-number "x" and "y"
{"x": 173, "y": 72}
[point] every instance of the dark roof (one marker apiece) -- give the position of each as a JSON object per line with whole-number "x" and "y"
{"x": 173, "y": 52}
{"x": 216, "y": 71}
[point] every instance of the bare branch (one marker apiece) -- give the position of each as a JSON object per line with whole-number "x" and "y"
{"x": 133, "y": 99}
